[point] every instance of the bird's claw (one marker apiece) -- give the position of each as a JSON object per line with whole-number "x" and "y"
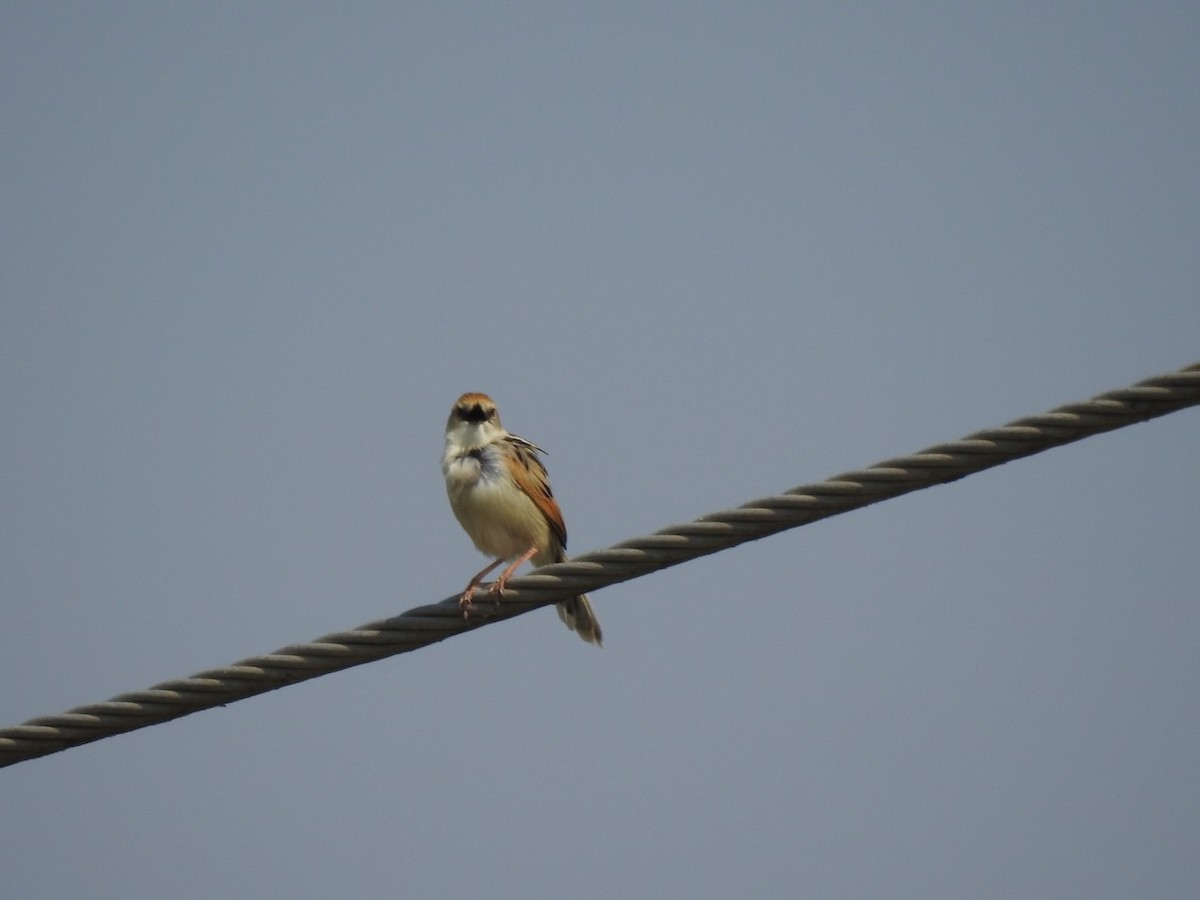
{"x": 496, "y": 590}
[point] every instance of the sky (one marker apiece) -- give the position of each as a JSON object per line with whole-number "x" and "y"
{"x": 250, "y": 254}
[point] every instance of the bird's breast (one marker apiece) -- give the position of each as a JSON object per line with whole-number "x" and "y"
{"x": 500, "y": 519}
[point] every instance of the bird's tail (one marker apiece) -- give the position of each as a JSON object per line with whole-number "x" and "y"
{"x": 577, "y": 614}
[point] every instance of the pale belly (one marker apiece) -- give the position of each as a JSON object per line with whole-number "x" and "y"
{"x": 500, "y": 520}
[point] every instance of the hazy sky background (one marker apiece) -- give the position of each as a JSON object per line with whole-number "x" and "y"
{"x": 251, "y": 253}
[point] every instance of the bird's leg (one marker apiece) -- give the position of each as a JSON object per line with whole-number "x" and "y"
{"x": 500, "y": 583}
{"x": 464, "y": 601}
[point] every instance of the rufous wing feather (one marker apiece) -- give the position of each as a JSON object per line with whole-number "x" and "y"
{"x": 530, "y": 476}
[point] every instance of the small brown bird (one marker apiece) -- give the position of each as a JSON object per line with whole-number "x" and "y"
{"x": 501, "y": 496}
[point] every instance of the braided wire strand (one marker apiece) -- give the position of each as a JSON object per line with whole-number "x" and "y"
{"x": 425, "y": 625}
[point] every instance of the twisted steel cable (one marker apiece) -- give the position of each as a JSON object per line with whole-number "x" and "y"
{"x": 671, "y": 546}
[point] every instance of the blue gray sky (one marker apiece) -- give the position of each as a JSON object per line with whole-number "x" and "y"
{"x": 700, "y": 253}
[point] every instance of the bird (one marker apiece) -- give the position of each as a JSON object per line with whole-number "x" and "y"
{"x": 500, "y": 493}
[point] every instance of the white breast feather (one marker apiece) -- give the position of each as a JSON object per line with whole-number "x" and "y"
{"x": 500, "y": 520}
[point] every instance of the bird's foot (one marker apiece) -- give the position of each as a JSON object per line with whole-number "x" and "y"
{"x": 496, "y": 589}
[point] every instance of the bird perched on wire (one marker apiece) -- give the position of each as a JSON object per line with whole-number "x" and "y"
{"x": 500, "y": 494}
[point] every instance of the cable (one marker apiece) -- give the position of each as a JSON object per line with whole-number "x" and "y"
{"x": 633, "y": 558}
